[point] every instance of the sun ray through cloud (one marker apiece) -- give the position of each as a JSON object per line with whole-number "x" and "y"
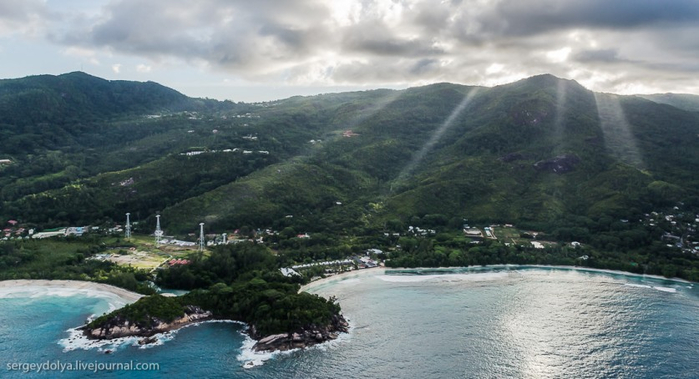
{"x": 558, "y": 125}
{"x": 436, "y": 136}
{"x": 618, "y": 137}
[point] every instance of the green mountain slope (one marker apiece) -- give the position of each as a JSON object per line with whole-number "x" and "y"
{"x": 542, "y": 151}
{"x": 80, "y": 97}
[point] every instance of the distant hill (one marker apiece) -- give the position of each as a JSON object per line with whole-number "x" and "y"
{"x": 543, "y": 151}
{"x": 682, "y": 101}
{"x": 79, "y": 96}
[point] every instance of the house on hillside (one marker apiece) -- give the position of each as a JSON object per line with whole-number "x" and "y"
{"x": 288, "y": 272}
{"x": 473, "y": 233}
{"x": 176, "y": 262}
{"x": 5, "y": 162}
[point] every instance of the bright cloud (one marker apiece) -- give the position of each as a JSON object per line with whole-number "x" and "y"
{"x": 377, "y": 42}
{"x": 142, "y": 68}
{"x": 560, "y": 55}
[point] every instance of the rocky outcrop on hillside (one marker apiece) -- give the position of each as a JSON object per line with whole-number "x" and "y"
{"x": 559, "y": 165}
{"x": 302, "y": 338}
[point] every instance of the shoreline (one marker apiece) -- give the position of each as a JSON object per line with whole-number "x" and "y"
{"x": 512, "y": 267}
{"x": 608, "y": 271}
{"x": 345, "y": 275}
{"x": 480, "y": 269}
{"x": 26, "y": 285}
{"x": 560, "y": 267}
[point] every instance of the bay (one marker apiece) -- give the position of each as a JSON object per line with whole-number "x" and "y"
{"x": 456, "y": 323}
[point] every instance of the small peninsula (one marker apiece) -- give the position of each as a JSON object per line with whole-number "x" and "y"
{"x": 302, "y": 319}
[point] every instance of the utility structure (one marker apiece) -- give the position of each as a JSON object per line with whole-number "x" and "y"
{"x": 201, "y": 236}
{"x": 128, "y": 226}
{"x": 225, "y": 238}
{"x": 158, "y": 232}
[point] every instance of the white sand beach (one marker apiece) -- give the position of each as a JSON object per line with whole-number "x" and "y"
{"x": 612, "y": 272}
{"x": 343, "y": 276}
{"x": 38, "y": 286}
{"x": 382, "y": 271}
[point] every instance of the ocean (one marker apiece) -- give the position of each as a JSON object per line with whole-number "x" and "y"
{"x": 458, "y": 323}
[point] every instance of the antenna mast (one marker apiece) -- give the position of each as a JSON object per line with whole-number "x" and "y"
{"x": 128, "y": 226}
{"x": 158, "y": 232}
{"x": 201, "y": 237}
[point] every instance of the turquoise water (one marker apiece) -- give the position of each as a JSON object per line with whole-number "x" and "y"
{"x": 527, "y": 323}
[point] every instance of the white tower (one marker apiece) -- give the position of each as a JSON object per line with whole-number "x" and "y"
{"x": 225, "y": 239}
{"x": 128, "y": 226}
{"x": 158, "y": 232}
{"x": 201, "y": 237}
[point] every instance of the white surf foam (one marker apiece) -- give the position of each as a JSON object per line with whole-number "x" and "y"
{"x": 637, "y": 285}
{"x": 474, "y": 277}
{"x": 34, "y": 292}
{"x": 665, "y": 289}
{"x": 112, "y": 301}
{"x": 252, "y": 358}
{"x": 657, "y": 288}
{"x": 77, "y": 340}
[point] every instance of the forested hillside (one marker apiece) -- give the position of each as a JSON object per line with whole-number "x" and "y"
{"x": 542, "y": 152}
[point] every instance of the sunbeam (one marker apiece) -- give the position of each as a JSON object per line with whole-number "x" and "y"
{"x": 561, "y": 89}
{"x": 436, "y": 136}
{"x": 618, "y": 138}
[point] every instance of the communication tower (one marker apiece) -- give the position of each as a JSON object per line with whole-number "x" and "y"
{"x": 158, "y": 232}
{"x": 201, "y": 237}
{"x": 128, "y": 226}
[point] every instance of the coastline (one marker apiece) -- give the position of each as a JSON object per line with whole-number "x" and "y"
{"x": 343, "y": 276}
{"x": 612, "y": 272}
{"x": 512, "y": 267}
{"x": 478, "y": 269}
{"x": 26, "y": 285}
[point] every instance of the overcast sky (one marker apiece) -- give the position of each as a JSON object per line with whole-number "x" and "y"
{"x": 252, "y": 50}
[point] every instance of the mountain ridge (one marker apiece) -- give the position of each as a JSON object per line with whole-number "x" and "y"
{"x": 405, "y": 149}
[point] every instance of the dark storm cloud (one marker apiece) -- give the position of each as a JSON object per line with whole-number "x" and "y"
{"x": 391, "y": 46}
{"x": 400, "y": 41}
{"x": 513, "y": 17}
{"x": 424, "y": 66}
{"x": 223, "y": 33}
{"x": 601, "y": 55}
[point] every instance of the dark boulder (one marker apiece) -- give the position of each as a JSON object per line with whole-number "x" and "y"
{"x": 559, "y": 165}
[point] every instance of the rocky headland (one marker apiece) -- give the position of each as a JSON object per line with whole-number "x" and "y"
{"x": 119, "y": 326}
{"x": 301, "y": 338}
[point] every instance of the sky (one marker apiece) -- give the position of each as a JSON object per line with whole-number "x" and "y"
{"x": 259, "y": 50}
